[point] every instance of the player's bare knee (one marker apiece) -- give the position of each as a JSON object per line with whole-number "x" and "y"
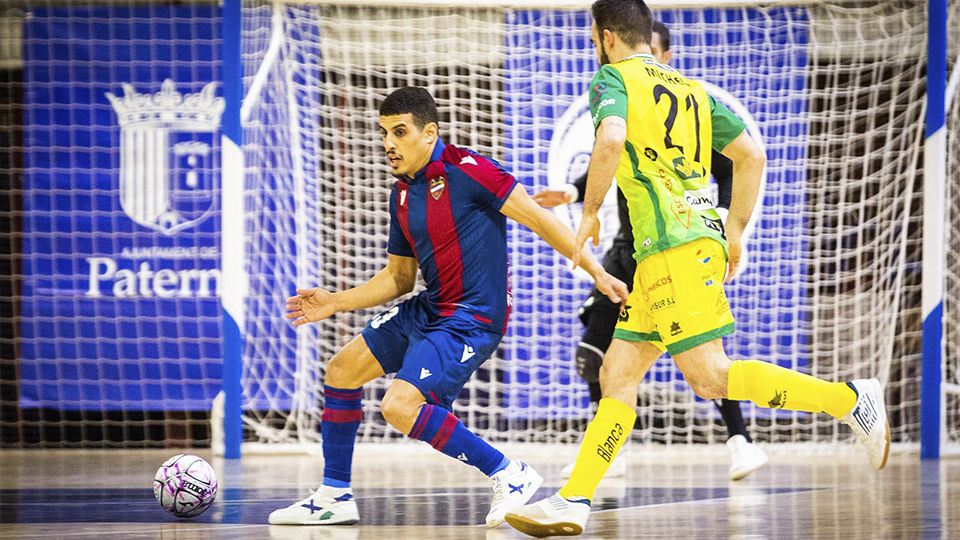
{"x": 338, "y": 374}
{"x": 615, "y": 378}
{"x": 394, "y": 409}
{"x": 400, "y": 406}
{"x": 706, "y": 385}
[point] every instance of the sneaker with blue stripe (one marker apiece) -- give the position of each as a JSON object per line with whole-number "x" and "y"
{"x": 325, "y": 506}
{"x": 512, "y": 488}
{"x": 553, "y": 516}
{"x": 868, "y": 418}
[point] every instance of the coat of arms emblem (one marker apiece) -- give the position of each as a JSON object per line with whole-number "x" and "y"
{"x": 167, "y": 160}
{"x": 437, "y": 186}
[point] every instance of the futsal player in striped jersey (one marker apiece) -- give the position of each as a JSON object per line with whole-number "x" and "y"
{"x": 448, "y": 210}
{"x": 654, "y": 132}
{"x": 599, "y": 315}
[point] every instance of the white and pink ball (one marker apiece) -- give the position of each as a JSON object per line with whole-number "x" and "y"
{"x": 185, "y": 485}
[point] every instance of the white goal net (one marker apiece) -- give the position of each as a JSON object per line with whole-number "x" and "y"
{"x": 110, "y": 252}
{"x": 835, "y": 94}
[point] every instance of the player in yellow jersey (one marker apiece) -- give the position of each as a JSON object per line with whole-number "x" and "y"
{"x": 654, "y": 132}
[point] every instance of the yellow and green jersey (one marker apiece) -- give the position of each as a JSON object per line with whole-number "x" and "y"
{"x": 672, "y": 125}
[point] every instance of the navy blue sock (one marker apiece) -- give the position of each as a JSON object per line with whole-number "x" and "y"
{"x": 443, "y": 431}
{"x": 341, "y": 417}
{"x": 732, "y": 417}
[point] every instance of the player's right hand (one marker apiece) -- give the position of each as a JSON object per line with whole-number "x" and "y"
{"x": 734, "y": 250}
{"x": 310, "y": 305}
{"x": 615, "y": 289}
{"x": 550, "y": 198}
{"x": 589, "y": 228}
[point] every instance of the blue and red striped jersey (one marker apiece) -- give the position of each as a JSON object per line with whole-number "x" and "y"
{"x": 448, "y": 217}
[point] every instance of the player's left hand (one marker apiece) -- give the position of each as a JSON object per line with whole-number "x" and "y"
{"x": 615, "y": 289}
{"x": 589, "y": 228}
{"x": 310, "y": 305}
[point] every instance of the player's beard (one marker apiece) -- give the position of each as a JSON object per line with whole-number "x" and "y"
{"x": 604, "y": 59}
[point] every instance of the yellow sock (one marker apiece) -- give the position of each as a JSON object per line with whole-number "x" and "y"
{"x": 603, "y": 439}
{"x": 775, "y": 387}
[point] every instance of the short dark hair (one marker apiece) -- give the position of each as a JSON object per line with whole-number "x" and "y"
{"x": 414, "y": 100}
{"x": 660, "y": 28}
{"x": 629, "y": 19}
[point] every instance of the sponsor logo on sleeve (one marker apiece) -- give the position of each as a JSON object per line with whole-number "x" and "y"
{"x": 598, "y": 90}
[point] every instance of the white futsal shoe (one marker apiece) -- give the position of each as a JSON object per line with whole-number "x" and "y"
{"x": 868, "y": 418}
{"x": 512, "y": 488}
{"x": 553, "y": 516}
{"x": 325, "y": 506}
{"x": 745, "y": 457}
{"x": 617, "y": 469}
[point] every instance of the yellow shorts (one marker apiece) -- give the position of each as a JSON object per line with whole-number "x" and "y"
{"x": 677, "y": 301}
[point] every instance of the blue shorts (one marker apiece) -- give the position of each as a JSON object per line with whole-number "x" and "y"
{"x": 436, "y": 354}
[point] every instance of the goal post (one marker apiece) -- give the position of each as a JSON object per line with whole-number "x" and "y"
{"x": 233, "y": 269}
{"x": 833, "y": 285}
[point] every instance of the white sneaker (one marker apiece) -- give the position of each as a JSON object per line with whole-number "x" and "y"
{"x": 617, "y": 469}
{"x": 512, "y": 488}
{"x": 868, "y": 418}
{"x": 326, "y": 506}
{"x": 746, "y": 457}
{"x": 553, "y": 516}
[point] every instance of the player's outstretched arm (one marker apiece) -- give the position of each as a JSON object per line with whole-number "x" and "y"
{"x": 522, "y": 209}
{"x": 572, "y": 192}
{"x": 611, "y": 136}
{"x": 748, "y": 161}
{"x": 395, "y": 280}
{"x": 550, "y": 198}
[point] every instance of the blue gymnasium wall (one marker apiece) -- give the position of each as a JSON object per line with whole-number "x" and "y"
{"x": 144, "y": 342}
{"x": 756, "y": 56}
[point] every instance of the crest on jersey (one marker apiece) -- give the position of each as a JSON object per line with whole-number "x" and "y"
{"x": 437, "y": 185}
{"x": 167, "y": 157}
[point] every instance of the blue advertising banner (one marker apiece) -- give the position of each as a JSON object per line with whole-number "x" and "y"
{"x": 121, "y": 244}
{"x": 755, "y": 63}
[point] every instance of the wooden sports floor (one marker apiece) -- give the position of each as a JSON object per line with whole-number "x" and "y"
{"x": 409, "y": 492}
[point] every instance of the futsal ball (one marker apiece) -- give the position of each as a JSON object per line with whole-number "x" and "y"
{"x": 185, "y": 485}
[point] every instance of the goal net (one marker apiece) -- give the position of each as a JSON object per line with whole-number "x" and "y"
{"x": 834, "y": 93}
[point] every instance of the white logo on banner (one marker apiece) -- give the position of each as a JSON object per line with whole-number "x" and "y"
{"x": 167, "y": 185}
